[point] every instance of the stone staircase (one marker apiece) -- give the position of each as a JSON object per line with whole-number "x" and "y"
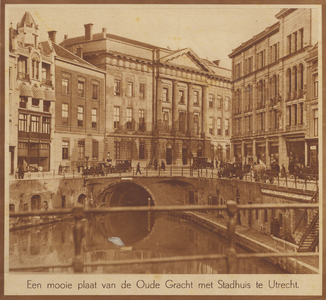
{"x": 310, "y": 236}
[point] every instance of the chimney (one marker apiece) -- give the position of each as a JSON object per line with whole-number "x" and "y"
{"x": 216, "y": 62}
{"x": 52, "y": 35}
{"x": 104, "y": 32}
{"x": 88, "y": 31}
{"x": 80, "y": 51}
{"x": 66, "y": 36}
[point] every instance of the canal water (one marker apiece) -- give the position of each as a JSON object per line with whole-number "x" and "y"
{"x": 124, "y": 236}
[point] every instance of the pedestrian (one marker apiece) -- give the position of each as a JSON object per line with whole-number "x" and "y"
{"x": 21, "y": 171}
{"x": 283, "y": 171}
{"x": 138, "y": 169}
{"x": 155, "y": 165}
{"x": 216, "y": 163}
{"x": 163, "y": 165}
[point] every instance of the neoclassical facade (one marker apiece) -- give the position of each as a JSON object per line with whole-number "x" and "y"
{"x": 160, "y": 104}
{"x": 275, "y": 92}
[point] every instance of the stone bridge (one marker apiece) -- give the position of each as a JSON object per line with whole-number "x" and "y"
{"x": 161, "y": 190}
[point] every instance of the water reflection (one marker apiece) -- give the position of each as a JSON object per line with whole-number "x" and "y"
{"x": 145, "y": 235}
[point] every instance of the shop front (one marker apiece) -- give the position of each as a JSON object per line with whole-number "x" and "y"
{"x": 313, "y": 161}
{"x": 248, "y": 153}
{"x": 261, "y": 152}
{"x": 273, "y": 153}
{"x": 237, "y": 153}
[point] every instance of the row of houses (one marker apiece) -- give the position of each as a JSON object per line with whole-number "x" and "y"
{"x": 102, "y": 96}
{"x": 275, "y": 92}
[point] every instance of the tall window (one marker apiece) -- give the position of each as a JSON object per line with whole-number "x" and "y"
{"x": 219, "y": 126}
{"x": 65, "y": 150}
{"x": 116, "y": 87}
{"x": 182, "y": 121}
{"x": 81, "y": 150}
{"x": 181, "y": 97}
{"x": 289, "y": 43}
{"x": 94, "y": 150}
{"x": 218, "y": 101}
{"x": 226, "y": 127}
{"x": 46, "y": 105}
{"x": 46, "y": 125}
{"x": 116, "y": 117}
{"x": 130, "y": 89}
{"x": 23, "y": 102}
{"x": 165, "y": 94}
{"x": 94, "y": 117}
{"x": 210, "y": 125}
{"x": 65, "y": 86}
{"x": 141, "y": 150}
{"x": 129, "y": 118}
{"x": 300, "y": 113}
{"x": 210, "y": 100}
{"x": 22, "y": 123}
{"x": 315, "y": 113}
{"x": 226, "y": 102}
{"x": 35, "y": 123}
{"x": 80, "y": 116}
{"x": 142, "y": 90}
{"x": 64, "y": 113}
{"x": 196, "y": 98}
{"x": 288, "y": 115}
{"x": 129, "y": 150}
{"x": 35, "y": 68}
{"x": 165, "y": 120}
{"x": 95, "y": 91}
{"x": 315, "y": 86}
{"x": 141, "y": 120}
{"x": 301, "y": 45}
{"x": 117, "y": 150}
{"x": 81, "y": 87}
{"x": 196, "y": 123}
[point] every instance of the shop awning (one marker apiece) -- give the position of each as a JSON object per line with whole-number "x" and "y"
{"x": 37, "y": 92}
{"x": 49, "y": 94}
{"x": 25, "y": 90}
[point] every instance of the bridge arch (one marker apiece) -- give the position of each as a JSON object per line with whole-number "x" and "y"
{"x": 119, "y": 193}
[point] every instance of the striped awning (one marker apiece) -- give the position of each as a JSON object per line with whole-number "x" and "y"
{"x": 25, "y": 90}
{"x": 49, "y": 94}
{"x": 37, "y": 92}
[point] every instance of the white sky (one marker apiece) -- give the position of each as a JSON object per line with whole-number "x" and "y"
{"x": 212, "y": 31}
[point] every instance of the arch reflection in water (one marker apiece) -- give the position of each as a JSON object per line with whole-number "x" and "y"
{"x": 166, "y": 236}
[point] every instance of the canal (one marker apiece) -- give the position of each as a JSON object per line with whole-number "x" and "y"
{"x": 123, "y": 236}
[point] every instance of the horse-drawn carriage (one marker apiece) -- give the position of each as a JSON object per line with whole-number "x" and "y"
{"x": 104, "y": 168}
{"x": 202, "y": 163}
{"x": 305, "y": 173}
{"x": 231, "y": 170}
{"x": 261, "y": 173}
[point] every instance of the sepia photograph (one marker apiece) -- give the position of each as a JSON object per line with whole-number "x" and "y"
{"x": 155, "y": 149}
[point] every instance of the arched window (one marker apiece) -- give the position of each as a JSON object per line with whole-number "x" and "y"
{"x": 289, "y": 88}
{"x": 300, "y": 79}
{"x": 295, "y": 79}
{"x": 36, "y": 202}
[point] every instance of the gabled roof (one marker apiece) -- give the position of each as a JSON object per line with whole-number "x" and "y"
{"x": 27, "y": 19}
{"x": 189, "y": 59}
{"x": 99, "y": 36}
{"x": 48, "y": 47}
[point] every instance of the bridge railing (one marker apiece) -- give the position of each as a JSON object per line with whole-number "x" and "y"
{"x": 231, "y": 256}
{"x": 286, "y": 179}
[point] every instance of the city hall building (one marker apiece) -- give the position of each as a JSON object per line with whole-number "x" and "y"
{"x": 160, "y": 104}
{"x": 275, "y": 93}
